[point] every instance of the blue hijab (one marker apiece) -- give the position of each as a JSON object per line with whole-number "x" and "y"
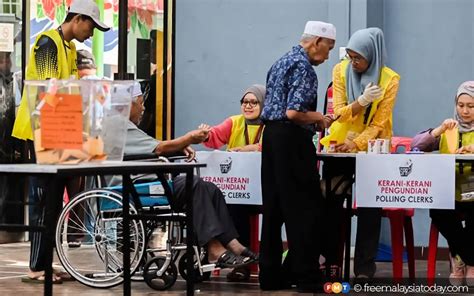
{"x": 370, "y": 44}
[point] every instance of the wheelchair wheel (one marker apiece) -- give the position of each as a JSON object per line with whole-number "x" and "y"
{"x": 197, "y": 275}
{"x": 164, "y": 281}
{"x": 95, "y": 217}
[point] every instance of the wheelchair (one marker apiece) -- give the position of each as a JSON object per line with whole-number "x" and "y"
{"x": 95, "y": 216}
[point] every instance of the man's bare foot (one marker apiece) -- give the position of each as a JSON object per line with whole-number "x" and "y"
{"x": 40, "y": 275}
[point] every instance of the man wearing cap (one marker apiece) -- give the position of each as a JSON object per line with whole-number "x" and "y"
{"x": 290, "y": 181}
{"x": 53, "y": 55}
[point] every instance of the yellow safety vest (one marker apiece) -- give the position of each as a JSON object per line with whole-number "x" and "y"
{"x": 237, "y": 134}
{"x": 467, "y": 139}
{"x": 67, "y": 67}
{"x": 338, "y": 130}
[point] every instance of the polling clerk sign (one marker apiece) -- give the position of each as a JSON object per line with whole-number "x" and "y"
{"x": 237, "y": 174}
{"x": 405, "y": 181}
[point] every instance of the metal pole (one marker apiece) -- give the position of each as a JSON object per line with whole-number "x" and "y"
{"x": 165, "y": 135}
{"x": 24, "y": 42}
{"x": 122, "y": 40}
{"x": 98, "y": 43}
{"x": 173, "y": 56}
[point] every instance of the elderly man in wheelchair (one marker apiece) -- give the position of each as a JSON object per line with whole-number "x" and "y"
{"x": 100, "y": 212}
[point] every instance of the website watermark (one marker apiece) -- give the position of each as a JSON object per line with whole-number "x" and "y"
{"x": 345, "y": 287}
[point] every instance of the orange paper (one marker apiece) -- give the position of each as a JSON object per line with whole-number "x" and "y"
{"x": 452, "y": 139}
{"x": 61, "y": 125}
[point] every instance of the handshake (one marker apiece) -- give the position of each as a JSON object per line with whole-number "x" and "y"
{"x": 371, "y": 93}
{"x": 200, "y": 134}
{"x": 326, "y": 122}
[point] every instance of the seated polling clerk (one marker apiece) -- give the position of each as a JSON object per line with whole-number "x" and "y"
{"x": 213, "y": 225}
{"x": 241, "y": 133}
{"x": 450, "y": 222}
{"x": 364, "y": 94}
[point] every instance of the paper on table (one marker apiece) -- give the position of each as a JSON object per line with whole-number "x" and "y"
{"x": 452, "y": 139}
{"x": 61, "y": 125}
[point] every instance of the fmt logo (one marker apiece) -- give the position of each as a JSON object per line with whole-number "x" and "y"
{"x": 337, "y": 288}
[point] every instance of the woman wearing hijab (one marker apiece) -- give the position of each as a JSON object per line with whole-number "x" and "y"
{"x": 449, "y": 223}
{"x": 241, "y": 133}
{"x": 364, "y": 93}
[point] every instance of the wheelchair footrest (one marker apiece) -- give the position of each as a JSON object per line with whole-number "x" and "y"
{"x": 208, "y": 267}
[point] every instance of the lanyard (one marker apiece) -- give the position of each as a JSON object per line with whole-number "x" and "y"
{"x": 257, "y": 136}
{"x": 62, "y": 38}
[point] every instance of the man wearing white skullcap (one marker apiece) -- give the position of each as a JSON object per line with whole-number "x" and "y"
{"x": 290, "y": 182}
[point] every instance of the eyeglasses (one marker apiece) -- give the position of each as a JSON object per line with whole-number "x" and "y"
{"x": 250, "y": 103}
{"x": 355, "y": 60}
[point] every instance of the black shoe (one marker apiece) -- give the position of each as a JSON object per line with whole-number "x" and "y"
{"x": 272, "y": 282}
{"x": 310, "y": 288}
{"x": 275, "y": 286}
{"x": 311, "y": 283}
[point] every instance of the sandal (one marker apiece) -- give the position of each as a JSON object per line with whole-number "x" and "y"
{"x": 248, "y": 253}
{"x": 230, "y": 260}
{"x": 239, "y": 274}
{"x": 39, "y": 279}
{"x": 64, "y": 276}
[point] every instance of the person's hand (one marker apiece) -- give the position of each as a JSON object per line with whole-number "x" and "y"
{"x": 198, "y": 136}
{"x": 447, "y": 124}
{"x": 371, "y": 93}
{"x": 190, "y": 153}
{"x": 347, "y": 146}
{"x": 328, "y": 119}
{"x": 204, "y": 126}
{"x": 466, "y": 149}
{"x": 246, "y": 148}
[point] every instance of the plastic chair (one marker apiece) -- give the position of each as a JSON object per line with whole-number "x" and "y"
{"x": 254, "y": 239}
{"x": 401, "y": 223}
{"x": 398, "y": 142}
{"x": 432, "y": 253}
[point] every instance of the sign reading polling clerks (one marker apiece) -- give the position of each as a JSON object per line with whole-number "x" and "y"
{"x": 237, "y": 174}
{"x": 405, "y": 181}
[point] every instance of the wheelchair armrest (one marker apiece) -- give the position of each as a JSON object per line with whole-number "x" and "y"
{"x": 144, "y": 157}
{"x": 152, "y": 157}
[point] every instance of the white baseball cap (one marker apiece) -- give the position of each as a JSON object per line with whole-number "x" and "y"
{"x": 321, "y": 29}
{"x": 90, "y": 9}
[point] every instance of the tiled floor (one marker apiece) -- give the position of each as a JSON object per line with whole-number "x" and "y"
{"x": 14, "y": 265}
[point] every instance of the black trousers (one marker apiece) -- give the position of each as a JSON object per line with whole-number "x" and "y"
{"x": 241, "y": 215}
{"x": 367, "y": 240}
{"x": 460, "y": 238}
{"x": 368, "y": 224}
{"x": 291, "y": 195}
{"x": 211, "y": 217}
{"x": 38, "y": 213}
